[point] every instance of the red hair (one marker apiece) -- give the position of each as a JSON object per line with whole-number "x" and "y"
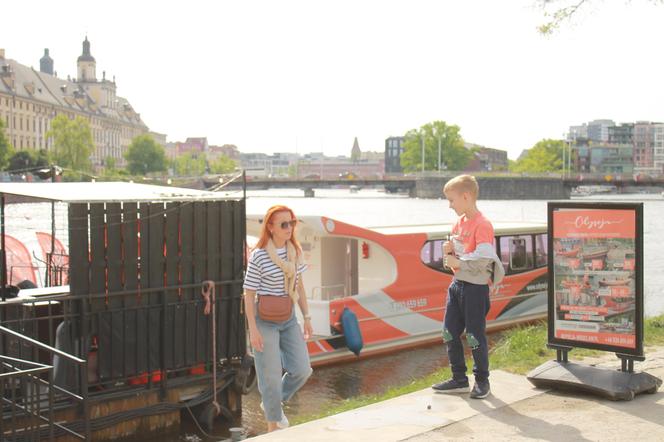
{"x": 265, "y": 232}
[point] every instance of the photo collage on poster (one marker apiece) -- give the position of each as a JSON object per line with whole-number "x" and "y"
{"x": 594, "y": 277}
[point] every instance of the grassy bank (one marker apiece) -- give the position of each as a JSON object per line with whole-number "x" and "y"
{"x": 519, "y": 350}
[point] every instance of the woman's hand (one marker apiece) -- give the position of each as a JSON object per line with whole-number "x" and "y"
{"x": 256, "y": 339}
{"x": 448, "y": 248}
{"x": 308, "y": 329}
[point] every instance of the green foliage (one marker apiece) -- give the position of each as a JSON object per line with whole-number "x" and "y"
{"x": 28, "y": 159}
{"x": 653, "y": 330}
{"x": 454, "y": 155}
{"x": 545, "y": 156}
{"x": 110, "y": 163}
{"x": 563, "y": 10}
{"x": 72, "y": 142}
{"x": 144, "y": 155}
{"x": 223, "y": 164}
{"x": 190, "y": 164}
{"x": 6, "y": 149}
{"x": 111, "y": 172}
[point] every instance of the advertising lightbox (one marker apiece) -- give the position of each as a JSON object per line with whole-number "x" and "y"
{"x": 596, "y": 276}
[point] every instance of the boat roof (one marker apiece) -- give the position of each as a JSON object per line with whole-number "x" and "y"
{"x": 314, "y": 225}
{"x": 439, "y": 230}
{"x": 97, "y": 192}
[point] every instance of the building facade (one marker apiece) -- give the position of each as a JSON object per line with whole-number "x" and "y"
{"x": 30, "y": 99}
{"x": 622, "y": 134}
{"x": 612, "y": 159}
{"x": 393, "y": 150}
{"x": 658, "y": 155}
{"x": 598, "y": 130}
{"x": 487, "y": 159}
{"x": 644, "y": 149}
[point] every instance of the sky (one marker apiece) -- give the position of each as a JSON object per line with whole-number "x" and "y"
{"x": 310, "y": 76}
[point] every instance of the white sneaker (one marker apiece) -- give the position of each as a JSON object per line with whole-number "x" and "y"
{"x": 283, "y": 423}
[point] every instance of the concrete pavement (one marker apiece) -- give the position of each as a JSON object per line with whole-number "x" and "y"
{"x": 514, "y": 411}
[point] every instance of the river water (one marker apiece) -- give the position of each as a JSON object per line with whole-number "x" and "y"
{"x": 330, "y": 386}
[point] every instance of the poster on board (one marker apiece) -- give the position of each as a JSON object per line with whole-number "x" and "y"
{"x": 596, "y": 276}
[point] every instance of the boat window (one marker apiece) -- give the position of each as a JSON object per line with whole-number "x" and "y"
{"x": 541, "y": 250}
{"x": 432, "y": 255}
{"x": 516, "y": 253}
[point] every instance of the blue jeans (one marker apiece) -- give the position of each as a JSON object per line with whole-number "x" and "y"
{"x": 467, "y": 307}
{"x": 283, "y": 366}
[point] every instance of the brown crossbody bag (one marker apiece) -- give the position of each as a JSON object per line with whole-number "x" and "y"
{"x": 275, "y": 308}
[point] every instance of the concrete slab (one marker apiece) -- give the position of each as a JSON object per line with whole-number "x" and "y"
{"x": 409, "y": 415}
{"x": 558, "y": 416}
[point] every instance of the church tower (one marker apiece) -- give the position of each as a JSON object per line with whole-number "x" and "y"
{"x": 86, "y": 64}
{"x": 355, "y": 153}
{"x": 46, "y": 63}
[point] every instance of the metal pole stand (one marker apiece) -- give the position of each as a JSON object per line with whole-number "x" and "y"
{"x": 627, "y": 362}
{"x": 561, "y": 352}
{"x": 617, "y": 385}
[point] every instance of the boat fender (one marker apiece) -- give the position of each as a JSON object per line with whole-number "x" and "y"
{"x": 245, "y": 378}
{"x": 351, "y": 330}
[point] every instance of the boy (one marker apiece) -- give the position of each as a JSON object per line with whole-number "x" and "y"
{"x": 471, "y": 256}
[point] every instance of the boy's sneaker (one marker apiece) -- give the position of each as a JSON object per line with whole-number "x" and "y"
{"x": 480, "y": 390}
{"x": 451, "y": 386}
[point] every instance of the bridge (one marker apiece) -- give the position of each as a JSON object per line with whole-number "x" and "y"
{"x": 429, "y": 185}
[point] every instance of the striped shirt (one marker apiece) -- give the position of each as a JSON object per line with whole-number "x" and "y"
{"x": 265, "y": 277}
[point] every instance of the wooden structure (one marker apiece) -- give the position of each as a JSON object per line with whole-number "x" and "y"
{"x": 138, "y": 255}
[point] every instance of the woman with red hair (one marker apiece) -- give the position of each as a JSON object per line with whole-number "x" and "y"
{"x": 272, "y": 285}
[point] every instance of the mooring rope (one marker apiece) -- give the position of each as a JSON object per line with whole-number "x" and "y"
{"x": 207, "y": 291}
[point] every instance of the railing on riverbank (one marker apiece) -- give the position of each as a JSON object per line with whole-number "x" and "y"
{"x": 29, "y": 394}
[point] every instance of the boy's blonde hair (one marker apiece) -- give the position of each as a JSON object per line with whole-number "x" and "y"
{"x": 463, "y": 183}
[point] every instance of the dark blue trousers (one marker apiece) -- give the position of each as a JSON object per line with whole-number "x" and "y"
{"x": 467, "y": 307}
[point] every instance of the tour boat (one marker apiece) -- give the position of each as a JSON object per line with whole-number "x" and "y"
{"x": 614, "y": 282}
{"x": 393, "y": 279}
{"x": 572, "y": 253}
{"x": 595, "y": 254}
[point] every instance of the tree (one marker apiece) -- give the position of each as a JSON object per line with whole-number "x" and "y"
{"x": 223, "y": 164}
{"x": 21, "y": 160}
{"x": 190, "y": 164}
{"x": 563, "y": 10}
{"x": 545, "y": 156}
{"x": 453, "y": 153}
{"x": 144, "y": 155}
{"x": 6, "y": 149}
{"x": 72, "y": 142}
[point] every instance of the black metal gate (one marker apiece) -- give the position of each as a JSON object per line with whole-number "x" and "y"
{"x": 137, "y": 276}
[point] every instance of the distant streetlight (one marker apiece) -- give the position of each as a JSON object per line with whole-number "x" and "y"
{"x": 440, "y": 158}
{"x": 422, "y": 142}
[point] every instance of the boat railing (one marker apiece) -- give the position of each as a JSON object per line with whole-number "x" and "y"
{"x": 329, "y": 292}
{"x": 29, "y": 393}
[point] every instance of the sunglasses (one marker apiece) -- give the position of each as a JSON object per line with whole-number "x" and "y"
{"x": 285, "y": 224}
